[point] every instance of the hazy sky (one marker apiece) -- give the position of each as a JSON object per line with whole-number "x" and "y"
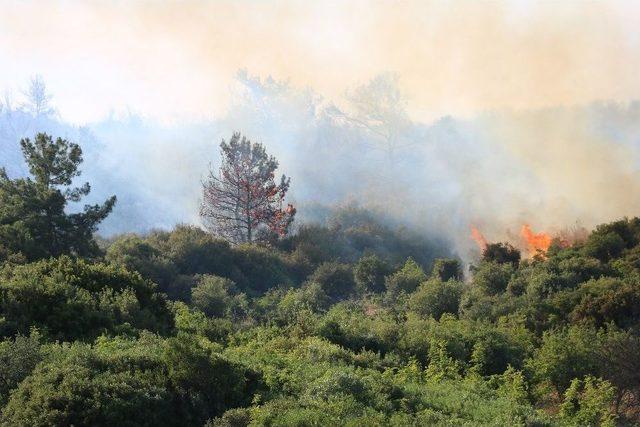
{"x": 178, "y": 59}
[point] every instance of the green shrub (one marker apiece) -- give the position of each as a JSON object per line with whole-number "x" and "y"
{"x": 501, "y": 253}
{"x": 492, "y": 278}
{"x": 18, "y": 357}
{"x": 71, "y": 299}
{"x": 588, "y": 402}
{"x": 213, "y": 295}
{"x": 565, "y": 355}
{"x": 434, "y": 298}
{"x": 130, "y": 382}
{"x": 447, "y": 269}
{"x": 257, "y": 269}
{"x": 604, "y": 246}
{"x": 84, "y": 386}
{"x": 369, "y": 273}
{"x": 608, "y": 300}
{"x": 407, "y": 279}
{"x": 137, "y": 254}
{"x": 335, "y": 279}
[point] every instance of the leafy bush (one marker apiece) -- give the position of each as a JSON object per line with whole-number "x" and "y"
{"x": 130, "y": 382}
{"x": 336, "y": 280}
{"x": 608, "y": 300}
{"x": 370, "y": 272}
{"x": 501, "y": 253}
{"x": 214, "y": 296}
{"x": 194, "y": 251}
{"x": 447, "y": 269}
{"x": 18, "y": 357}
{"x": 80, "y": 385}
{"x": 565, "y": 355}
{"x": 72, "y": 299}
{"x": 588, "y": 402}
{"x": 407, "y": 279}
{"x": 257, "y": 269}
{"x": 492, "y": 277}
{"x": 137, "y": 254}
{"x": 604, "y": 246}
{"x": 434, "y": 298}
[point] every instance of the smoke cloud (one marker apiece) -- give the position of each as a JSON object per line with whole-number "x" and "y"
{"x": 178, "y": 58}
{"x": 439, "y": 115}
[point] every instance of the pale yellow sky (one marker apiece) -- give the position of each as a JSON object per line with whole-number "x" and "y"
{"x": 178, "y": 59}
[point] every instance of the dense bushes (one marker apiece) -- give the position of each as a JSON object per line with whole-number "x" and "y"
{"x": 149, "y": 381}
{"x": 71, "y": 299}
{"x": 407, "y": 279}
{"x": 353, "y": 232}
{"x": 434, "y": 298}
{"x": 171, "y": 259}
{"x": 301, "y": 334}
{"x": 369, "y": 274}
{"x": 353, "y": 235}
{"x": 335, "y": 280}
{"x": 81, "y": 385}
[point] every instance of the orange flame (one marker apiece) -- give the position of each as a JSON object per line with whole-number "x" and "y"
{"x": 477, "y": 237}
{"x": 535, "y": 241}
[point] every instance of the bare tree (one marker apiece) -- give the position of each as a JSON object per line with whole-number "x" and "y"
{"x": 241, "y": 201}
{"x": 378, "y": 108}
{"x": 37, "y": 97}
{"x": 11, "y": 128}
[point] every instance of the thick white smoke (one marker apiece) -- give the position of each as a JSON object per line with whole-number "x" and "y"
{"x": 550, "y": 168}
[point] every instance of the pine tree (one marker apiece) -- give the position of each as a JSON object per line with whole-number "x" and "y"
{"x": 241, "y": 201}
{"x": 33, "y": 221}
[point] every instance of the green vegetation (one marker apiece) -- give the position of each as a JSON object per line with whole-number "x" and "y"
{"x": 33, "y": 222}
{"x": 350, "y": 323}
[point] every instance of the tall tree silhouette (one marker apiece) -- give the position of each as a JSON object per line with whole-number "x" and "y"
{"x": 38, "y": 98}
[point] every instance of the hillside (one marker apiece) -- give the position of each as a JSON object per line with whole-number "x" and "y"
{"x": 348, "y": 323}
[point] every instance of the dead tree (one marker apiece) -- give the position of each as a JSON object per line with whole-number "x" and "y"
{"x": 241, "y": 200}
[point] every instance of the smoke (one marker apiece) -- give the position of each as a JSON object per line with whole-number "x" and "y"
{"x": 551, "y": 168}
{"x": 178, "y": 58}
{"x": 580, "y": 169}
{"x": 438, "y": 116}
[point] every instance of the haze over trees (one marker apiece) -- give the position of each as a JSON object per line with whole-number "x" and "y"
{"x": 331, "y": 160}
{"x": 38, "y": 99}
{"x": 380, "y": 109}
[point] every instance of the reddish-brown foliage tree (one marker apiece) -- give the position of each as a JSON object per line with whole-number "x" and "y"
{"x": 241, "y": 201}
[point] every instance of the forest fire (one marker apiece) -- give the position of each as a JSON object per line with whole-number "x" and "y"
{"x": 477, "y": 237}
{"x": 535, "y": 241}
